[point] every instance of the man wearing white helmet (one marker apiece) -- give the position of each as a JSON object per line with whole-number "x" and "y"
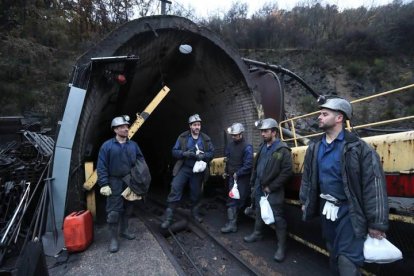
{"x": 116, "y": 158}
{"x": 343, "y": 182}
{"x": 185, "y": 151}
{"x": 271, "y": 172}
{"x": 239, "y": 162}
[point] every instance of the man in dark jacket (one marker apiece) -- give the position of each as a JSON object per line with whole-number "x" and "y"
{"x": 116, "y": 158}
{"x": 344, "y": 182}
{"x": 239, "y": 162}
{"x": 191, "y": 146}
{"x": 271, "y": 172}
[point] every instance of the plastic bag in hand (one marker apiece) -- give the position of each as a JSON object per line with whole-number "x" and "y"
{"x": 234, "y": 192}
{"x": 380, "y": 251}
{"x": 266, "y": 211}
{"x": 199, "y": 166}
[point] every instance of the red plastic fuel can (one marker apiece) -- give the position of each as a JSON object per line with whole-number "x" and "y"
{"x": 78, "y": 230}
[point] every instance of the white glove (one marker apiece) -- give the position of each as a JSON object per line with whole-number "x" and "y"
{"x": 330, "y": 211}
{"x": 106, "y": 191}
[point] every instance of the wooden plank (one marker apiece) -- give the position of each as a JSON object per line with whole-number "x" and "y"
{"x": 90, "y": 195}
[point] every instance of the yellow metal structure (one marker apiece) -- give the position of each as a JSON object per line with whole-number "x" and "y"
{"x": 91, "y": 181}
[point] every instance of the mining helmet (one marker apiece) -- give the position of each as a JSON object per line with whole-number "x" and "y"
{"x": 119, "y": 121}
{"x": 339, "y": 104}
{"x": 235, "y": 129}
{"x": 194, "y": 118}
{"x": 266, "y": 123}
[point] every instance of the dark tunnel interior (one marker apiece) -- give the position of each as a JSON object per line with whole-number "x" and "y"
{"x": 209, "y": 81}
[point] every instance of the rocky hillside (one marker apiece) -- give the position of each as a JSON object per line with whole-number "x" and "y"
{"x": 33, "y": 78}
{"x": 346, "y": 77}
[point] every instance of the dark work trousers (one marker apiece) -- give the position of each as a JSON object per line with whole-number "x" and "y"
{"x": 339, "y": 235}
{"x": 185, "y": 175}
{"x": 243, "y": 185}
{"x": 115, "y": 202}
{"x": 277, "y": 209}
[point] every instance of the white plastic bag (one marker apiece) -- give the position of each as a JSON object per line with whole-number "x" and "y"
{"x": 234, "y": 192}
{"x": 199, "y": 166}
{"x": 380, "y": 251}
{"x": 266, "y": 211}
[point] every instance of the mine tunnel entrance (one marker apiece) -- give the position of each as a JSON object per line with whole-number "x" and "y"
{"x": 211, "y": 81}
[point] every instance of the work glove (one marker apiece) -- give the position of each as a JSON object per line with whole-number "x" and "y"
{"x": 200, "y": 156}
{"x": 129, "y": 195}
{"x": 330, "y": 210}
{"x": 189, "y": 154}
{"x": 106, "y": 190}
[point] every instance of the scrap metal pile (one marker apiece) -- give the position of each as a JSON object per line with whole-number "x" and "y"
{"x": 24, "y": 167}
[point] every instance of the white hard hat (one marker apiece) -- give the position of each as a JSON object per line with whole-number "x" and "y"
{"x": 266, "y": 123}
{"x": 119, "y": 121}
{"x": 338, "y": 104}
{"x": 235, "y": 129}
{"x": 194, "y": 118}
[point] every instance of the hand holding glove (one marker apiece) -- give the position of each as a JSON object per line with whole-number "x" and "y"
{"x": 106, "y": 190}
{"x": 200, "y": 156}
{"x": 189, "y": 154}
{"x": 330, "y": 210}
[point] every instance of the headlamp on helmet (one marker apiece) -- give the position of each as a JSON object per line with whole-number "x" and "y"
{"x": 194, "y": 118}
{"x": 268, "y": 123}
{"x": 235, "y": 129}
{"x": 119, "y": 121}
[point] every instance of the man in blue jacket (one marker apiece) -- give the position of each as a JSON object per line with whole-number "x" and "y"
{"x": 343, "y": 181}
{"x": 186, "y": 153}
{"x": 116, "y": 158}
{"x": 239, "y": 162}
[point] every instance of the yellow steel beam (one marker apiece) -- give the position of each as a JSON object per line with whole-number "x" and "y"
{"x": 141, "y": 118}
{"x": 147, "y": 111}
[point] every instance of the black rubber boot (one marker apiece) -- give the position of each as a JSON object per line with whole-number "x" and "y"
{"x": 195, "y": 213}
{"x": 346, "y": 267}
{"x": 231, "y": 225}
{"x": 124, "y": 233}
{"x": 169, "y": 215}
{"x": 281, "y": 245}
{"x": 114, "y": 244}
{"x": 258, "y": 229}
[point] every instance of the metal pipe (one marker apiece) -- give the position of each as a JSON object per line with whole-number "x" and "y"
{"x": 14, "y": 215}
{"x": 278, "y": 69}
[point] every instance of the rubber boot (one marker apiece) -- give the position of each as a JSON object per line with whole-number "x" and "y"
{"x": 114, "y": 244}
{"x": 124, "y": 233}
{"x": 231, "y": 225}
{"x": 281, "y": 245}
{"x": 258, "y": 229}
{"x": 346, "y": 267}
{"x": 169, "y": 215}
{"x": 195, "y": 213}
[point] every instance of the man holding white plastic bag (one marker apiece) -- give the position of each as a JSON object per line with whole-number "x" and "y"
{"x": 271, "y": 172}
{"x": 191, "y": 146}
{"x": 343, "y": 181}
{"x": 239, "y": 162}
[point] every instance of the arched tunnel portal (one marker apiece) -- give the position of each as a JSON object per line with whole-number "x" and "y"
{"x": 212, "y": 81}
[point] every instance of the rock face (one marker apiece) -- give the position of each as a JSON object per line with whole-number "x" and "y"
{"x": 347, "y": 78}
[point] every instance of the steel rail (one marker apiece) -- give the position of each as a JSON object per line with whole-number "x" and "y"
{"x": 193, "y": 225}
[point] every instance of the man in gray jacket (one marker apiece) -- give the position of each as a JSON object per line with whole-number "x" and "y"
{"x": 343, "y": 181}
{"x": 271, "y": 172}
